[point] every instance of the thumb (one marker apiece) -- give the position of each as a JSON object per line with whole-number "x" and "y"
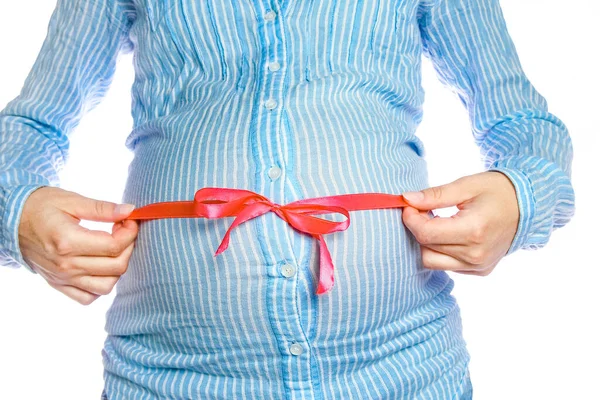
{"x": 99, "y": 210}
{"x": 447, "y": 195}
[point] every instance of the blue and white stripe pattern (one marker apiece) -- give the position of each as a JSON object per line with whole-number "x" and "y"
{"x": 290, "y": 99}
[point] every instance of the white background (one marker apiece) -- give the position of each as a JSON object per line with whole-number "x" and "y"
{"x": 531, "y": 326}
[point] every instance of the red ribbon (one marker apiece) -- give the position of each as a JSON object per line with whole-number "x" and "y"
{"x": 244, "y": 205}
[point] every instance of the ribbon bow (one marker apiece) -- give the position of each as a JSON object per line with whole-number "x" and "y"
{"x": 212, "y": 202}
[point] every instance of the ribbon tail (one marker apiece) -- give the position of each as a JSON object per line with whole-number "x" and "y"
{"x": 247, "y": 213}
{"x": 325, "y": 267}
{"x": 224, "y": 243}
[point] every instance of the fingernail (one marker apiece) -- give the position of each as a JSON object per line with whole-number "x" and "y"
{"x": 124, "y": 209}
{"x": 413, "y": 196}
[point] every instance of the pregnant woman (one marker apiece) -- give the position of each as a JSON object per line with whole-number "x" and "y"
{"x": 289, "y": 100}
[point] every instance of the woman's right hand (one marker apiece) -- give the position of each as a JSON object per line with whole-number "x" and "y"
{"x": 81, "y": 263}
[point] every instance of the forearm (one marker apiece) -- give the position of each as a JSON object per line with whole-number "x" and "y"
{"x": 69, "y": 77}
{"x": 472, "y": 52}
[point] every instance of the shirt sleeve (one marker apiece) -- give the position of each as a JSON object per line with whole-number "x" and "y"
{"x": 70, "y": 75}
{"x": 472, "y": 53}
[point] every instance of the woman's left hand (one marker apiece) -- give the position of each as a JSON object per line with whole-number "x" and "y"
{"x": 473, "y": 240}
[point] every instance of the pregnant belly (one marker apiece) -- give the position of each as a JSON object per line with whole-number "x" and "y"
{"x": 175, "y": 285}
{"x": 178, "y": 292}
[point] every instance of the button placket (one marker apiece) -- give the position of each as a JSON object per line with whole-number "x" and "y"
{"x": 281, "y": 298}
{"x": 271, "y": 102}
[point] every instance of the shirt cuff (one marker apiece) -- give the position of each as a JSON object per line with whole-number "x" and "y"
{"x": 527, "y": 206}
{"x": 14, "y": 200}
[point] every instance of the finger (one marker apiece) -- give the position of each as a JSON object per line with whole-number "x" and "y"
{"x": 116, "y": 226}
{"x": 480, "y": 270}
{"x": 81, "y": 296}
{"x": 62, "y": 269}
{"x": 81, "y": 241}
{"x": 100, "y": 285}
{"x": 459, "y": 251}
{"x": 455, "y": 229}
{"x": 439, "y": 261}
{"x": 469, "y": 253}
{"x": 103, "y": 266}
{"x": 477, "y": 271}
{"x": 450, "y": 194}
{"x": 469, "y": 272}
{"x": 83, "y": 207}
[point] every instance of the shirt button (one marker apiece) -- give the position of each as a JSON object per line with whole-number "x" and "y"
{"x": 296, "y": 349}
{"x": 270, "y": 104}
{"x": 274, "y": 66}
{"x": 288, "y": 270}
{"x": 270, "y": 15}
{"x": 274, "y": 172}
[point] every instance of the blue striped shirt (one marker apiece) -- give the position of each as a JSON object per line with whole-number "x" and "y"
{"x": 290, "y": 99}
